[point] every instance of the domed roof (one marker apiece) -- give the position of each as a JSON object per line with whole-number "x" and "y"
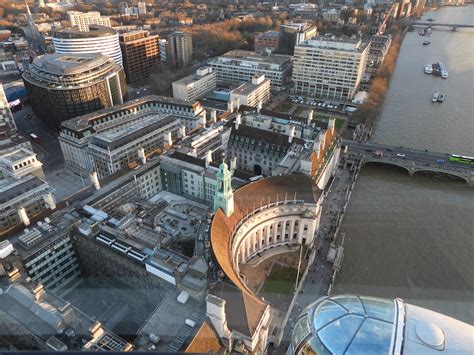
{"x": 348, "y": 325}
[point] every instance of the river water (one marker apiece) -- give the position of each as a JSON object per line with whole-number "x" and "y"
{"x": 413, "y": 237}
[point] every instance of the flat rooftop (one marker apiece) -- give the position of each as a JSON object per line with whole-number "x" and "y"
{"x": 17, "y": 155}
{"x": 248, "y": 88}
{"x": 239, "y": 54}
{"x": 336, "y": 43}
{"x": 70, "y": 64}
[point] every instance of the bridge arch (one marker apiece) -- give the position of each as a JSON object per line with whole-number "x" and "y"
{"x": 446, "y": 173}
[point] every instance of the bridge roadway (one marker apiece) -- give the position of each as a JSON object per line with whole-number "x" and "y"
{"x": 412, "y": 160}
{"x": 433, "y": 24}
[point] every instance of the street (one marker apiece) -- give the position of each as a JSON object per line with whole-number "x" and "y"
{"x": 318, "y": 278}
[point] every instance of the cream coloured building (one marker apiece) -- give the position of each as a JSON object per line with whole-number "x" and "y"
{"x": 328, "y": 67}
{"x": 254, "y": 93}
{"x": 195, "y": 86}
{"x": 82, "y": 20}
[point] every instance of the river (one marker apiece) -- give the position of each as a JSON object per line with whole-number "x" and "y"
{"x": 413, "y": 237}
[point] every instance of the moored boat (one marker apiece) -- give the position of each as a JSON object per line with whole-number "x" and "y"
{"x": 435, "y": 96}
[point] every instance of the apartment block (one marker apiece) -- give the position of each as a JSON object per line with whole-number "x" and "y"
{"x": 82, "y": 20}
{"x": 179, "y": 49}
{"x": 328, "y": 67}
{"x": 195, "y": 86}
{"x": 239, "y": 66}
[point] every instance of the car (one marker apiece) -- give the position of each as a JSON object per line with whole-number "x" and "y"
{"x": 400, "y": 155}
{"x": 369, "y": 150}
{"x": 440, "y": 161}
{"x": 320, "y": 103}
{"x": 389, "y": 150}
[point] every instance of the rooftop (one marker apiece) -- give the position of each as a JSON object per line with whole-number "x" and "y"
{"x": 239, "y": 54}
{"x": 69, "y": 64}
{"x": 95, "y": 31}
{"x": 248, "y": 87}
{"x": 335, "y": 43}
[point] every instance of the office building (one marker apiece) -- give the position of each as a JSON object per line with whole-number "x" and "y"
{"x": 83, "y": 20}
{"x": 269, "y": 39}
{"x": 63, "y": 86}
{"x": 179, "y": 49}
{"x": 140, "y": 53}
{"x": 195, "y": 86}
{"x": 292, "y": 34}
{"x": 113, "y": 149}
{"x": 254, "y": 93}
{"x": 329, "y": 68}
{"x": 353, "y": 324}
{"x": 24, "y": 194}
{"x": 87, "y": 138}
{"x": 98, "y": 39}
{"x": 238, "y": 67}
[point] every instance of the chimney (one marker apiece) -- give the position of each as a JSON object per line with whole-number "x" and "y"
{"x": 237, "y": 103}
{"x": 168, "y": 140}
{"x": 215, "y": 311}
{"x": 208, "y": 158}
{"x": 233, "y": 164}
{"x": 238, "y": 120}
{"x": 322, "y": 138}
{"x": 182, "y": 131}
{"x": 230, "y": 106}
{"x": 213, "y": 116}
{"x": 49, "y": 200}
{"x": 94, "y": 180}
{"x": 23, "y": 216}
{"x": 259, "y": 106}
{"x": 310, "y": 117}
{"x": 141, "y": 155}
{"x": 291, "y": 134}
{"x": 332, "y": 125}
{"x": 316, "y": 148}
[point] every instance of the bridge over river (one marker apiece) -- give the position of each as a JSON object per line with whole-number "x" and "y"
{"x": 412, "y": 160}
{"x": 454, "y": 26}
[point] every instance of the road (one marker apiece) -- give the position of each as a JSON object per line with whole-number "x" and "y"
{"x": 49, "y": 151}
{"x": 318, "y": 279}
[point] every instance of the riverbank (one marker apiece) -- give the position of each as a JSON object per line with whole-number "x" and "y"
{"x": 367, "y": 113}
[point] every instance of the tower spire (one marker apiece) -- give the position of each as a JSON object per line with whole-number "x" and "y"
{"x": 224, "y": 197}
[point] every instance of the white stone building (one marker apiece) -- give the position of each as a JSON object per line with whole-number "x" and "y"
{"x": 82, "y": 20}
{"x": 254, "y": 93}
{"x": 331, "y": 68}
{"x": 238, "y": 66}
{"x": 195, "y": 86}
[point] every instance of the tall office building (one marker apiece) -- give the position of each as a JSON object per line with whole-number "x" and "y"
{"x": 63, "y": 86}
{"x": 140, "y": 53}
{"x": 82, "y": 20}
{"x": 99, "y": 39}
{"x": 293, "y": 34}
{"x": 180, "y": 49}
{"x": 329, "y": 67}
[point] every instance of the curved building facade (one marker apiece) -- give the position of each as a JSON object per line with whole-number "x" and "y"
{"x": 350, "y": 324}
{"x": 99, "y": 39}
{"x": 272, "y": 212}
{"x": 61, "y": 87}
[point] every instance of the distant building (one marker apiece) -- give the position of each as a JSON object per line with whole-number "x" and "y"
{"x": 98, "y": 39}
{"x": 113, "y": 136}
{"x": 238, "y": 67}
{"x": 269, "y": 39}
{"x": 141, "y": 5}
{"x": 329, "y": 68}
{"x": 254, "y": 93}
{"x": 163, "y": 44}
{"x": 140, "y": 53}
{"x": 379, "y": 46}
{"x": 63, "y": 86}
{"x": 180, "y": 49}
{"x": 331, "y": 15}
{"x": 195, "y": 86}
{"x": 82, "y": 20}
{"x": 292, "y": 34}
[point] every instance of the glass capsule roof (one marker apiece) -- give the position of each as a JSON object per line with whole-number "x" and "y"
{"x": 349, "y": 325}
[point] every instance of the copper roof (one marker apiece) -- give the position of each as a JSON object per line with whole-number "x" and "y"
{"x": 248, "y": 198}
{"x": 206, "y": 340}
